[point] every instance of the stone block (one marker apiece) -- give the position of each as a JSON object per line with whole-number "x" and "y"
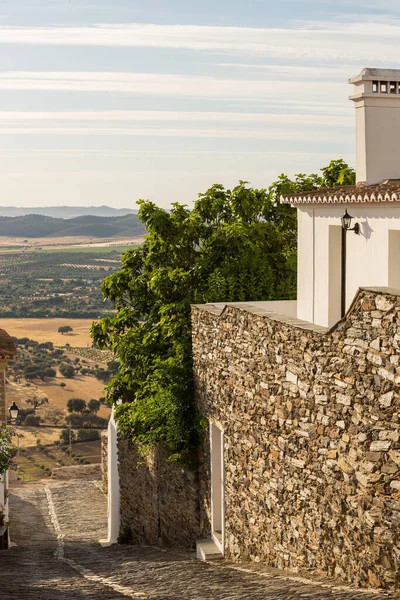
{"x": 384, "y": 304}
{"x": 292, "y": 377}
{"x": 380, "y": 446}
{"x": 386, "y": 399}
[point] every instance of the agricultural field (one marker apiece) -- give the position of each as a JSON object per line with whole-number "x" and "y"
{"x": 86, "y": 387}
{"x": 44, "y": 379}
{"x": 57, "y": 372}
{"x": 56, "y": 283}
{"x": 93, "y": 354}
{"x": 62, "y": 242}
{"x": 106, "y": 249}
{"x": 37, "y": 462}
{"x": 46, "y": 330}
{"x": 81, "y": 386}
{"x": 45, "y": 289}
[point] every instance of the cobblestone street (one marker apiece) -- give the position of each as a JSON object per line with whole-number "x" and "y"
{"x": 56, "y": 527}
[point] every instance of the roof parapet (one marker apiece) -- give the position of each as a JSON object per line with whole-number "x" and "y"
{"x": 387, "y": 191}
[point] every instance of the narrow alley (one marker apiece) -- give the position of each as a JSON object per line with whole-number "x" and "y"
{"x": 56, "y": 556}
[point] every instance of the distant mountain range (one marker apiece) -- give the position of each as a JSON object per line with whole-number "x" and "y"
{"x": 35, "y": 226}
{"x": 65, "y": 212}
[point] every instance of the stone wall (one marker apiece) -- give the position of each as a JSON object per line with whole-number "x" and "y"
{"x": 87, "y": 472}
{"x": 104, "y": 461}
{"x": 311, "y": 425}
{"x": 3, "y": 407}
{"x": 159, "y": 502}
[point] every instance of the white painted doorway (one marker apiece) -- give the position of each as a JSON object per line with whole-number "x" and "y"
{"x": 217, "y": 486}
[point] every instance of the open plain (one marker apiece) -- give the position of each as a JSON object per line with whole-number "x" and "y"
{"x": 64, "y": 242}
{"x": 46, "y": 330}
{"x": 39, "y": 441}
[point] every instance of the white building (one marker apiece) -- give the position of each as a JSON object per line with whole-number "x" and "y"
{"x": 325, "y": 286}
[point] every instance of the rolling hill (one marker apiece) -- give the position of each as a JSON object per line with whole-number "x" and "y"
{"x": 35, "y": 226}
{"x": 65, "y": 212}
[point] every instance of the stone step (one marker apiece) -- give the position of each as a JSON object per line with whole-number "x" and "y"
{"x": 208, "y": 550}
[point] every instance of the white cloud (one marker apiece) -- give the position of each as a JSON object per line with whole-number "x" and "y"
{"x": 353, "y": 41}
{"x": 57, "y": 153}
{"x": 302, "y": 100}
{"x": 309, "y": 94}
{"x": 297, "y": 71}
{"x": 383, "y": 4}
{"x": 276, "y": 119}
{"x": 270, "y": 134}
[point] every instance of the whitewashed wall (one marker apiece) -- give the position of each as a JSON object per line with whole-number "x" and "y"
{"x": 3, "y": 488}
{"x": 113, "y": 482}
{"x": 373, "y": 257}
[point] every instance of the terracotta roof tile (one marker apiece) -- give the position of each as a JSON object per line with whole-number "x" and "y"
{"x": 7, "y": 346}
{"x": 387, "y": 191}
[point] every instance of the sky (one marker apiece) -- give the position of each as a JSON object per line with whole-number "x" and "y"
{"x": 109, "y": 101}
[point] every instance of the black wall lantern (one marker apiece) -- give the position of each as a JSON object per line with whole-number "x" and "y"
{"x": 346, "y": 226}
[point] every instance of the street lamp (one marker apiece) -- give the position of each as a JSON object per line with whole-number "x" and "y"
{"x": 346, "y": 226}
{"x": 14, "y": 412}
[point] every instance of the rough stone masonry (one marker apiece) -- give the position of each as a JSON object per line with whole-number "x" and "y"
{"x": 159, "y": 501}
{"x": 311, "y": 426}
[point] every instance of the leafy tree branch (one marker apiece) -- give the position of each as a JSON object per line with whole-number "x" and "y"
{"x": 234, "y": 245}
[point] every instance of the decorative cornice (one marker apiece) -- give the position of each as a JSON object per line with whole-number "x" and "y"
{"x": 385, "y": 192}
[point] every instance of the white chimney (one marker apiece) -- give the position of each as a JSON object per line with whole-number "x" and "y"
{"x": 377, "y": 101}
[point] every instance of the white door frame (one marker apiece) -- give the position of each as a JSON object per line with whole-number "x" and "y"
{"x": 113, "y": 508}
{"x": 217, "y": 485}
